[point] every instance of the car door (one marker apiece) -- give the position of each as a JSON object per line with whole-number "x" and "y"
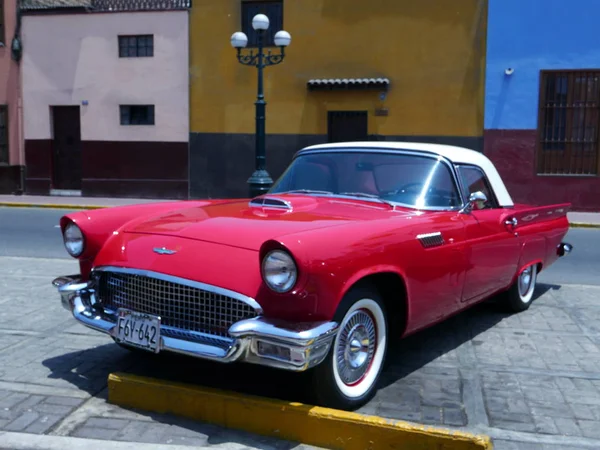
{"x": 492, "y": 247}
{"x": 431, "y": 250}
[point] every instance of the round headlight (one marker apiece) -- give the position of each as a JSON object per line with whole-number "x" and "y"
{"x": 73, "y": 238}
{"x": 279, "y": 271}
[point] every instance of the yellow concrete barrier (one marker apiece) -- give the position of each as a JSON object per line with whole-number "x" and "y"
{"x": 48, "y": 205}
{"x": 584, "y": 225}
{"x": 312, "y": 425}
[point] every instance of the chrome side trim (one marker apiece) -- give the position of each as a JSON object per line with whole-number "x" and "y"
{"x": 431, "y": 239}
{"x": 271, "y": 202}
{"x": 306, "y": 344}
{"x": 195, "y": 284}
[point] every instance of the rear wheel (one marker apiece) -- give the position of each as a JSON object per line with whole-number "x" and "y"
{"x": 348, "y": 376}
{"x": 520, "y": 294}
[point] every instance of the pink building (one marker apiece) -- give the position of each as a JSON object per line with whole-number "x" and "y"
{"x": 105, "y": 97}
{"x": 11, "y": 148}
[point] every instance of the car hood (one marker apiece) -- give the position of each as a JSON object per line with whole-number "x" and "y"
{"x": 245, "y": 225}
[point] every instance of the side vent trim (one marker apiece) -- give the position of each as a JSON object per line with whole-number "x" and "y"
{"x": 270, "y": 202}
{"x": 431, "y": 239}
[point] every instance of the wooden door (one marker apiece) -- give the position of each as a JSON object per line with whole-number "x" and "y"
{"x": 66, "y": 148}
{"x": 346, "y": 126}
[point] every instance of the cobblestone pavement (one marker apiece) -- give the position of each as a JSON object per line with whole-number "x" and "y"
{"x": 530, "y": 380}
{"x": 53, "y": 373}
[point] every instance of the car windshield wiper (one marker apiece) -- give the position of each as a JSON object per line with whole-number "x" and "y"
{"x": 364, "y": 194}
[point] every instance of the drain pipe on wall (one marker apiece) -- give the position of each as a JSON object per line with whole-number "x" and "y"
{"x": 16, "y": 48}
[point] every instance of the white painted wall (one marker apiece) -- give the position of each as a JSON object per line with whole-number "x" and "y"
{"x": 75, "y": 57}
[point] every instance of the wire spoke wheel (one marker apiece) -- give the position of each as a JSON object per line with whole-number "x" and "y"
{"x": 347, "y": 378}
{"x": 356, "y": 347}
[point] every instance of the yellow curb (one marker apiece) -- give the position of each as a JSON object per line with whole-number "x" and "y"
{"x": 49, "y": 205}
{"x": 584, "y": 225}
{"x": 311, "y": 425}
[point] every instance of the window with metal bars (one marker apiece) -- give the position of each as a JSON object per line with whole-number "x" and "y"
{"x": 137, "y": 114}
{"x": 2, "y": 37}
{"x": 3, "y": 134}
{"x": 136, "y": 46}
{"x": 273, "y": 9}
{"x": 569, "y": 123}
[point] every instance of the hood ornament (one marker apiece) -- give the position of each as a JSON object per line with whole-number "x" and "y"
{"x": 163, "y": 251}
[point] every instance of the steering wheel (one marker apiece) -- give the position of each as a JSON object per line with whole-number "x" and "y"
{"x": 406, "y": 188}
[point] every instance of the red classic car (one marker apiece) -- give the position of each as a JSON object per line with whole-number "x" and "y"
{"x": 354, "y": 243}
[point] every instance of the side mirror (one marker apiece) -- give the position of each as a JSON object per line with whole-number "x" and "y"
{"x": 474, "y": 198}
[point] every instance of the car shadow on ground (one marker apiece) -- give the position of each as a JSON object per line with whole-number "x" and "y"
{"x": 414, "y": 352}
{"x": 405, "y": 357}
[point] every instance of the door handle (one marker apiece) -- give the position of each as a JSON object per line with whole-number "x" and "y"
{"x": 512, "y": 222}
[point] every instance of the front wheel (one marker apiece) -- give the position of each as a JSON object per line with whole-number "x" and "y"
{"x": 348, "y": 376}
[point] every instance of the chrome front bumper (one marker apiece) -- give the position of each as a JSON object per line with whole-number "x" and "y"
{"x": 293, "y": 346}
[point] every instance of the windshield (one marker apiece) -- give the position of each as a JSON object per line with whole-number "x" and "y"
{"x": 414, "y": 181}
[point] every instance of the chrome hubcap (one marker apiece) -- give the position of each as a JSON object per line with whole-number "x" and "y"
{"x": 356, "y": 347}
{"x": 525, "y": 280}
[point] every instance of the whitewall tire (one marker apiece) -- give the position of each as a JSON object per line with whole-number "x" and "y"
{"x": 348, "y": 377}
{"x": 520, "y": 295}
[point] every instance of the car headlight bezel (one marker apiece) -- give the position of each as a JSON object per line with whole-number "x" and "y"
{"x": 74, "y": 240}
{"x": 279, "y": 263}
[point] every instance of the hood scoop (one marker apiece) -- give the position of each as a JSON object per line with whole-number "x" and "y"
{"x": 271, "y": 202}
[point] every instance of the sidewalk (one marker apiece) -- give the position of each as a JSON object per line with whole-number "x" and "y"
{"x": 584, "y": 219}
{"x": 62, "y": 202}
{"x": 577, "y": 219}
{"x": 28, "y": 441}
{"x": 54, "y": 379}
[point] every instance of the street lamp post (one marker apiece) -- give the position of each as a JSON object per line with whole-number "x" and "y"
{"x": 260, "y": 181}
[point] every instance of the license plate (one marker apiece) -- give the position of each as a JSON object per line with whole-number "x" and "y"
{"x": 139, "y": 330}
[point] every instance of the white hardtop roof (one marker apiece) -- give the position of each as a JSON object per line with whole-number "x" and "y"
{"x": 455, "y": 154}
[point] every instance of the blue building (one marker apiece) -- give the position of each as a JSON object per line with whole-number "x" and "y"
{"x": 542, "y": 102}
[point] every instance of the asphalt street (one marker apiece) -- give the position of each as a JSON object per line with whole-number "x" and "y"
{"x": 31, "y": 232}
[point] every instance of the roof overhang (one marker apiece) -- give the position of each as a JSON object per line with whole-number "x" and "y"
{"x": 82, "y": 6}
{"x": 330, "y": 84}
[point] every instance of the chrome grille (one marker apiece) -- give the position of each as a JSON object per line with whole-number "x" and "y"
{"x": 180, "y": 306}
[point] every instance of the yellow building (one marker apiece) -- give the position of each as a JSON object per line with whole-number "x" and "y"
{"x": 425, "y": 60}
